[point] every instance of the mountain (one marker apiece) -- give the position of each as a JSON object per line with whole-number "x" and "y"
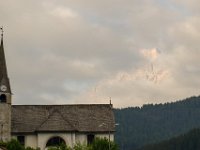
{"x": 154, "y": 123}
{"x": 188, "y": 141}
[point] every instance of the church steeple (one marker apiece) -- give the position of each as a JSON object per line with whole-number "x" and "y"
{"x": 5, "y": 90}
{"x": 5, "y": 97}
{"x": 4, "y": 80}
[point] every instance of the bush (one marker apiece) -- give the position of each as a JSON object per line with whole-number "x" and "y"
{"x": 103, "y": 144}
{"x": 79, "y": 146}
{"x": 3, "y": 144}
{"x": 30, "y": 148}
{"x": 98, "y": 144}
{"x": 14, "y": 145}
{"x": 60, "y": 147}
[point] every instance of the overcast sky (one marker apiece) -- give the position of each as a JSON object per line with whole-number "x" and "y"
{"x": 86, "y": 51}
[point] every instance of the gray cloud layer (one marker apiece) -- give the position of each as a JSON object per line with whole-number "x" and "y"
{"x": 87, "y": 51}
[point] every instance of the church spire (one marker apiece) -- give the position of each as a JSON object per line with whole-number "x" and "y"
{"x": 4, "y": 80}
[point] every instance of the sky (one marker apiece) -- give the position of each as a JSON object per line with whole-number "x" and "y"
{"x": 133, "y": 52}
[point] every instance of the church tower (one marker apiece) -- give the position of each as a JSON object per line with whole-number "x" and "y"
{"x": 5, "y": 97}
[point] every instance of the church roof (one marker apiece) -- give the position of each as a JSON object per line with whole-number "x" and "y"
{"x": 4, "y": 80}
{"x": 56, "y": 118}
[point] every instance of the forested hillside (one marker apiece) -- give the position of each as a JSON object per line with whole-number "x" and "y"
{"x": 189, "y": 141}
{"x": 154, "y": 123}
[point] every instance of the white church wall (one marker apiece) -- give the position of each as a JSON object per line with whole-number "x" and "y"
{"x": 101, "y": 135}
{"x": 31, "y": 141}
{"x": 81, "y": 138}
{"x": 14, "y": 137}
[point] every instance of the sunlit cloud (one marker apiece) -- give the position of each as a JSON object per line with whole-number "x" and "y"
{"x": 59, "y": 10}
{"x": 151, "y": 54}
{"x": 64, "y": 12}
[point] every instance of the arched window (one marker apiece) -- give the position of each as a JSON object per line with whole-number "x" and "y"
{"x": 55, "y": 141}
{"x": 3, "y": 98}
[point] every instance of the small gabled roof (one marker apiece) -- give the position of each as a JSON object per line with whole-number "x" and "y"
{"x": 51, "y": 123}
{"x": 65, "y": 118}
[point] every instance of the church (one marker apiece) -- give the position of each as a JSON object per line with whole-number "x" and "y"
{"x": 41, "y": 126}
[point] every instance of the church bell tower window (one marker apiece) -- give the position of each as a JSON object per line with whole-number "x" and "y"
{"x": 3, "y": 98}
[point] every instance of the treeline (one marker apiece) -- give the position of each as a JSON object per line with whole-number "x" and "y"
{"x": 154, "y": 123}
{"x": 189, "y": 141}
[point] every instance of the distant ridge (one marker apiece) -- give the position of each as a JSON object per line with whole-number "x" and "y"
{"x": 156, "y": 122}
{"x": 188, "y": 141}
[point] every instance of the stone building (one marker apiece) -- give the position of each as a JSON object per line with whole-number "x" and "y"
{"x": 47, "y": 125}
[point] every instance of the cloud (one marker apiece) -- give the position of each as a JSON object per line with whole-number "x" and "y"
{"x": 87, "y": 51}
{"x": 124, "y": 89}
{"x": 64, "y": 12}
{"x": 151, "y": 54}
{"x": 59, "y": 11}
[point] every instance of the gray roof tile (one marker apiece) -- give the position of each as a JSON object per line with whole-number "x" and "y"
{"x": 48, "y": 118}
